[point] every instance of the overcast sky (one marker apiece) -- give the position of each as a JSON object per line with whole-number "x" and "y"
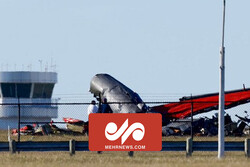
{"x": 160, "y": 47}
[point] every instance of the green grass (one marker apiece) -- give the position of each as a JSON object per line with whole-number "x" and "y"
{"x": 121, "y": 159}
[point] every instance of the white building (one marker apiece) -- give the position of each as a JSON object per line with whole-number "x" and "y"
{"x": 34, "y": 90}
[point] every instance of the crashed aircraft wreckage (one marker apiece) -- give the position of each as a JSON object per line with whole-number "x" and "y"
{"x": 123, "y": 100}
{"x": 120, "y": 98}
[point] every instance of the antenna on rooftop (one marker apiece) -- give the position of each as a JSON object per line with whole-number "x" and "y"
{"x": 46, "y": 67}
{"x": 29, "y": 67}
{"x": 41, "y": 65}
{"x": 53, "y": 65}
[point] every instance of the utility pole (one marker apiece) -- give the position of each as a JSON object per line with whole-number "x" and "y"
{"x": 221, "y": 135}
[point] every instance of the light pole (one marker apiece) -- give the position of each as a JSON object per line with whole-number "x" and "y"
{"x": 221, "y": 135}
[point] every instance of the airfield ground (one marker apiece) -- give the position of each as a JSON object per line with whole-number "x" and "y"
{"x": 121, "y": 159}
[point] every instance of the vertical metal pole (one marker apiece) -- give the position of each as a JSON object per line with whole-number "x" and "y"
{"x": 192, "y": 120}
{"x": 189, "y": 147}
{"x": 72, "y": 147}
{"x": 19, "y": 118}
{"x": 12, "y": 146}
{"x": 221, "y": 142}
{"x": 131, "y": 153}
{"x": 247, "y": 148}
{"x": 9, "y": 133}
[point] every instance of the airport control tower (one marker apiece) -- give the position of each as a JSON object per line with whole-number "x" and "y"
{"x": 33, "y": 91}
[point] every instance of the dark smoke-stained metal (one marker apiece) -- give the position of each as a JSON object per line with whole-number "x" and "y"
{"x": 120, "y": 98}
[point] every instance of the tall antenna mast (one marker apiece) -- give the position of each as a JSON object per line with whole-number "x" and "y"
{"x": 221, "y": 135}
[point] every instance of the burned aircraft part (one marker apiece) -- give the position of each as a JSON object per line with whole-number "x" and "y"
{"x": 244, "y": 125}
{"x": 202, "y": 103}
{"x": 120, "y": 98}
{"x": 245, "y": 119}
{"x": 76, "y": 125}
{"x": 182, "y": 127}
{"x": 246, "y": 131}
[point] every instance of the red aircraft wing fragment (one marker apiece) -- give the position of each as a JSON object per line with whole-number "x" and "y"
{"x": 203, "y": 103}
{"x": 72, "y": 120}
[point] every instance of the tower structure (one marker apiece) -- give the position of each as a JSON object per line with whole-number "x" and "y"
{"x": 33, "y": 91}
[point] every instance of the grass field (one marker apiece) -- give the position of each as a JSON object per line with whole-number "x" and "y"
{"x": 121, "y": 159}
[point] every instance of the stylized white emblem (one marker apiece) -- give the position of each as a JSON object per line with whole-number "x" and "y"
{"x": 136, "y": 129}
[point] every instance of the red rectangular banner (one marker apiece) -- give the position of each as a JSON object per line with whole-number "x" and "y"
{"x": 125, "y": 132}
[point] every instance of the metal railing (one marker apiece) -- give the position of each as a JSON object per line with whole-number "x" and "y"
{"x": 189, "y": 146}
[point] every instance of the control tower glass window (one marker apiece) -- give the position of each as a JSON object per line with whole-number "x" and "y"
{"x": 43, "y": 90}
{"x": 8, "y": 89}
{"x": 23, "y": 90}
{"x": 16, "y": 90}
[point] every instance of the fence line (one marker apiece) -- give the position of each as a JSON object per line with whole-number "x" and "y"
{"x": 41, "y": 115}
{"x": 124, "y": 102}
